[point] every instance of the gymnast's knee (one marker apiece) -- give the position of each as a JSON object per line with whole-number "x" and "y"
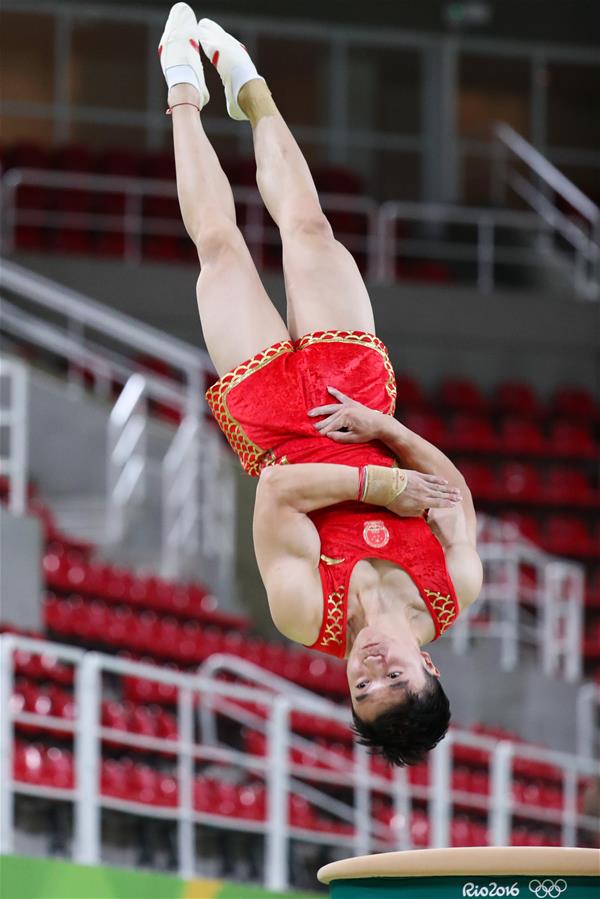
{"x": 218, "y": 239}
{"x": 307, "y": 223}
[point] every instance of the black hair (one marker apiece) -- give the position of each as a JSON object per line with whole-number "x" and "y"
{"x": 405, "y": 733}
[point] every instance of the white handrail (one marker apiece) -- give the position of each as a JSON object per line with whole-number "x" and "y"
{"x": 14, "y": 421}
{"x": 125, "y": 456}
{"x": 92, "y": 314}
{"x": 104, "y": 363}
{"x": 276, "y": 767}
{"x": 379, "y": 242}
{"x": 547, "y": 171}
{"x": 555, "y": 602}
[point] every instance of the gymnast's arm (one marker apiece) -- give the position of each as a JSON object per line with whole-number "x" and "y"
{"x": 287, "y": 543}
{"x": 417, "y": 453}
{"x": 456, "y": 527}
{"x": 288, "y": 549}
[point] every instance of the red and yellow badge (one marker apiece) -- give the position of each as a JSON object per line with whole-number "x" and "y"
{"x": 375, "y": 534}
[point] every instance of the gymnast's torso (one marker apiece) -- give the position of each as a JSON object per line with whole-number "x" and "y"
{"x": 262, "y": 405}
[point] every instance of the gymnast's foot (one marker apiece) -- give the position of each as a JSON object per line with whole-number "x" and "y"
{"x": 180, "y": 57}
{"x": 231, "y": 60}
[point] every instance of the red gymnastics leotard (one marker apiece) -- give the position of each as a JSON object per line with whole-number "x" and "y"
{"x": 261, "y": 407}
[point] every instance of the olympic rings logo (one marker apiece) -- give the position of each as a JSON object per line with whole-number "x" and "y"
{"x": 547, "y": 889}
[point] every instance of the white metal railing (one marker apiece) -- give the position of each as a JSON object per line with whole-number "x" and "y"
{"x": 374, "y": 235}
{"x": 135, "y": 224}
{"x": 278, "y": 700}
{"x": 198, "y": 502}
{"x": 545, "y": 612}
{"x": 126, "y": 457}
{"x": 588, "y": 720}
{"x": 198, "y": 485}
{"x": 13, "y": 424}
{"x": 346, "y": 52}
{"x": 538, "y": 190}
{"x": 81, "y": 318}
{"x": 482, "y": 249}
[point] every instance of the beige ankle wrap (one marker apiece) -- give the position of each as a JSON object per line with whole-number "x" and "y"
{"x": 383, "y": 485}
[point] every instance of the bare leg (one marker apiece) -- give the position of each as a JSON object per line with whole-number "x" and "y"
{"x": 325, "y": 289}
{"x": 238, "y": 318}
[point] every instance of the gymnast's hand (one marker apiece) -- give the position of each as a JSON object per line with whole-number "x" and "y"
{"x": 347, "y": 421}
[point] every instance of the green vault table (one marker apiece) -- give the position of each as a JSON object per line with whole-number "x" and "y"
{"x": 479, "y": 872}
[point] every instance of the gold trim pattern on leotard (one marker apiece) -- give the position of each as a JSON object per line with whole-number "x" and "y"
{"x": 329, "y": 561}
{"x": 251, "y": 455}
{"x": 444, "y": 608}
{"x": 361, "y": 338}
{"x": 334, "y": 618}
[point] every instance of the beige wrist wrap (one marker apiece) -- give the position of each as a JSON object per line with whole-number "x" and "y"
{"x": 384, "y": 485}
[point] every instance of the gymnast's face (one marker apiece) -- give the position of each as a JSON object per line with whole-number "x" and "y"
{"x": 382, "y": 670}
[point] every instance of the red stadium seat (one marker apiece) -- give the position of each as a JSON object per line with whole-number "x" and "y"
{"x": 252, "y": 802}
{"x": 143, "y": 784}
{"x": 32, "y": 237}
{"x": 568, "y": 486}
{"x": 472, "y": 432}
{"x": 113, "y": 779}
{"x": 69, "y": 240}
{"x": 520, "y": 483}
{"x": 160, "y": 165}
{"x": 573, "y": 438}
{"x": 575, "y": 402}
{"x": 528, "y": 525}
{"x": 301, "y": 813}
{"x": 460, "y": 393}
{"x": 334, "y": 179}
{"x": 32, "y": 196}
{"x": 28, "y": 762}
{"x": 521, "y": 435}
{"x": 68, "y": 199}
{"x": 58, "y": 769}
{"x": 119, "y": 162}
{"x": 518, "y": 398}
{"x": 409, "y": 393}
{"x": 110, "y": 244}
{"x": 481, "y": 479}
{"x": 27, "y": 156}
{"x": 204, "y": 794}
{"x": 167, "y": 791}
{"x": 420, "y": 830}
{"x": 593, "y": 594}
{"x": 427, "y": 425}
{"x": 73, "y": 158}
{"x": 567, "y": 535}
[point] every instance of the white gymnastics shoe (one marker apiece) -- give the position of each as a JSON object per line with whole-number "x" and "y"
{"x": 231, "y": 60}
{"x": 179, "y": 51}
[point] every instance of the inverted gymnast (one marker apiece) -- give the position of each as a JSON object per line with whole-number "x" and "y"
{"x": 361, "y": 559}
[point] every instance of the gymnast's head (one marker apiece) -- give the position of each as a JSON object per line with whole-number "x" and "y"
{"x": 399, "y": 707}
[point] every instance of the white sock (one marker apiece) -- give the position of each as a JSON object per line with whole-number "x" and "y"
{"x": 241, "y": 75}
{"x": 181, "y": 75}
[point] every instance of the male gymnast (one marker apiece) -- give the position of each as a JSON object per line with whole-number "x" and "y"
{"x": 360, "y": 558}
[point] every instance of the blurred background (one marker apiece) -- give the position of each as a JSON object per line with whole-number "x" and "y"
{"x": 456, "y": 149}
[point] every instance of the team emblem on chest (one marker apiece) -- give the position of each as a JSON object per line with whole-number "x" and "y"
{"x": 375, "y": 534}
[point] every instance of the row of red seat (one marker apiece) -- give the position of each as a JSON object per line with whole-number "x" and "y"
{"x": 509, "y": 397}
{"x": 68, "y": 571}
{"x": 152, "y": 720}
{"x": 147, "y": 721}
{"x": 517, "y": 482}
{"x": 154, "y": 165}
{"x": 143, "y": 784}
{"x": 94, "y": 622}
{"x": 512, "y": 435}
